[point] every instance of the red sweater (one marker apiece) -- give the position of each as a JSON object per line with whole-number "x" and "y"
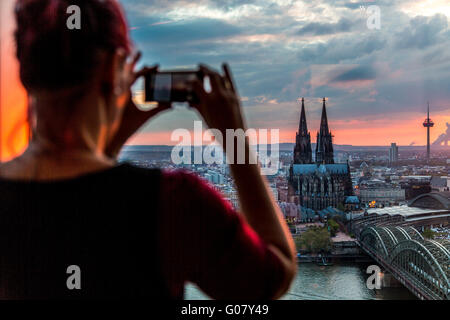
{"x": 205, "y": 241}
{"x": 133, "y": 233}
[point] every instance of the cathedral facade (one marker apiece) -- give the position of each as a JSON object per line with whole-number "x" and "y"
{"x": 320, "y": 183}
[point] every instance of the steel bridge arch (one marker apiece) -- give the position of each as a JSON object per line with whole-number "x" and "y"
{"x": 426, "y": 264}
{"x": 372, "y": 238}
{"x": 400, "y": 234}
{"x": 389, "y": 239}
{"x": 442, "y": 254}
{"x": 445, "y": 244}
{"x": 413, "y": 233}
{"x": 423, "y": 265}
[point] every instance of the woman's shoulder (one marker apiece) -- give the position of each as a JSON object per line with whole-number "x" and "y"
{"x": 132, "y": 173}
{"x": 186, "y": 180}
{"x": 130, "y": 168}
{"x": 181, "y": 175}
{"x": 192, "y": 188}
{"x": 175, "y": 185}
{"x": 169, "y": 178}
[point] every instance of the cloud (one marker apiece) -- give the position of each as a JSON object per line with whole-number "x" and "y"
{"x": 424, "y": 32}
{"x": 185, "y": 31}
{"x": 357, "y": 73}
{"x": 316, "y": 28}
{"x": 281, "y": 50}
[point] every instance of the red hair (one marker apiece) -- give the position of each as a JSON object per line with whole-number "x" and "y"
{"x": 51, "y": 55}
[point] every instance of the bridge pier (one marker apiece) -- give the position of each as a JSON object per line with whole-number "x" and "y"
{"x": 389, "y": 281}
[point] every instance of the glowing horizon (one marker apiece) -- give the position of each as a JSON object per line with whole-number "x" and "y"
{"x": 13, "y": 105}
{"x": 401, "y": 135}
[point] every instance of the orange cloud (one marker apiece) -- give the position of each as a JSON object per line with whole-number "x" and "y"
{"x": 382, "y": 131}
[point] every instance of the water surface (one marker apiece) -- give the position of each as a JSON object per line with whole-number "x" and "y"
{"x": 337, "y": 282}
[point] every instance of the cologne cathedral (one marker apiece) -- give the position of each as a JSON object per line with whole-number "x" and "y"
{"x": 320, "y": 183}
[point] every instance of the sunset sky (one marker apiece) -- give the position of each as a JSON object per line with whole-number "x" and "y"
{"x": 13, "y": 111}
{"x": 377, "y": 82}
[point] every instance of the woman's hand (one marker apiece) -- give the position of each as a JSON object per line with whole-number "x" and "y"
{"x": 220, "y": 108}
{"x": 132, "y": 117}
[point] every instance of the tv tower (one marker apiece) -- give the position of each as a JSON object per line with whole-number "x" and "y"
{"x": 428, "y": 123}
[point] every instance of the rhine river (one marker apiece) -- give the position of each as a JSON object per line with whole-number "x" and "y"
{"x": 344, "y": 281}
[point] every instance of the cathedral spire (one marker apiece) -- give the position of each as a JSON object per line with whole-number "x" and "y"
{"x": 302, "y": 126}
{"x": 324, "y": 144}
{"x": 302, "y": 150}
{"x": 324, "y": 120}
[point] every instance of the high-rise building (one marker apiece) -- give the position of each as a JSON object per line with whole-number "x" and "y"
{"x": 323, "y": 183}
{"x": 393, "y": 153}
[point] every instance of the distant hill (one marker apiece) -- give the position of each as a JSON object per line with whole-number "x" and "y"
{"x": 152, "y": 148}
{"x": 282, "y": 147}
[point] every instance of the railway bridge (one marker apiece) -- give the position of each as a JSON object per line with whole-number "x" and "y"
{"x": 422, "y": 266}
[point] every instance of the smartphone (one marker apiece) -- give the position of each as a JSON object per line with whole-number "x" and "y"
{"x": 171, "y": 86}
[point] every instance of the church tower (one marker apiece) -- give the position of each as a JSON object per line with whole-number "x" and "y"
{"x": 324, "y": 144}
{"x": 302, "y": 150}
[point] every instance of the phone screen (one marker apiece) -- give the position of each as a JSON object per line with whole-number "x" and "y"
{"x": 169, "y": 86}
{"x": 162, "y": 88}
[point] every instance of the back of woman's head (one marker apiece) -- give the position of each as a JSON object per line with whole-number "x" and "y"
{"x": 51, "y": 55}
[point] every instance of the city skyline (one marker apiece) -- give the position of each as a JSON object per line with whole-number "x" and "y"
{"x": 377, "y": 82}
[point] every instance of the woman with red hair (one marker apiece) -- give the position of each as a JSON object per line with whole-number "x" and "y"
{"x": 75, "y": 224}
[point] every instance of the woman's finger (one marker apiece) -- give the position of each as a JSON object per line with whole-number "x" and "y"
{"x": 135, "y": 60}
{"x": 144, "y": 71}
{"x": 199, "y": 91}
{"x": 215, "y": 79}
{"x": 131, "y": 64}
{"x": 228, "y": 77}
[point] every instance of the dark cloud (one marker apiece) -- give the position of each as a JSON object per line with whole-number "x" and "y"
{"x": 424, "y": 32}
{"x": 341, "y": 49}
{"x": 178, "y": 32}
{"x": 358, "y": 73}
{"x": 318, "y": 29}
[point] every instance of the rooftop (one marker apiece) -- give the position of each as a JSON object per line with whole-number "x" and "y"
{"x": 337, "y": 168}
{"x": 439, "y": 182}
{"x": 404, "y": 211}
{"x": 352, "y": 200}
